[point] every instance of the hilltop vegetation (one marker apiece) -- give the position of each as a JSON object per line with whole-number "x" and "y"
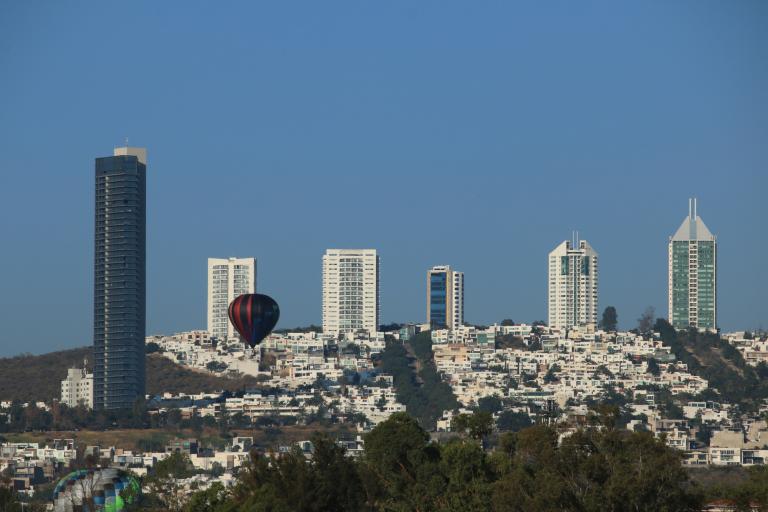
{"x": 709, "y": 356}
{"x": 416, "y": 380}
{"x": 38, "y": 378}
{"x": 165, "y": 376}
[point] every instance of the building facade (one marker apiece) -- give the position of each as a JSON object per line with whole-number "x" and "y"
{"x": 350, "y": 290}
{"x": 228, "y": 278}
{"x": 119, "y": 305}
{"x": 572, "y": 285}
{"x": 693, "y": 274}
{"x": 445, "y": 298}
{"x": 77, "y": 388}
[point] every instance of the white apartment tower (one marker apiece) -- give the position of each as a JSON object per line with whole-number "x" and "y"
{"x": 77, "y": 388}
{"x": 228, "y": 278}
{"x": 350, "y": 290}
{"x": 572, "y": 285}
{"x": 445, "y": 298}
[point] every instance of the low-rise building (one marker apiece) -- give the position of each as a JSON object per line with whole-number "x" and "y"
{"x": 77, "y": 388}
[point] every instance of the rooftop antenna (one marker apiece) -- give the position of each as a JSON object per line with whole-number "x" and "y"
{"x": 126, "y": 142}
{"x": 690, "y": 207}
{"x": 694, "y": 208}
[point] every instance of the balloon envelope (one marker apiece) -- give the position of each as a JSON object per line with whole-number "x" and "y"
{"x": 101, "y": 487}
{"x": 254, "y": 316}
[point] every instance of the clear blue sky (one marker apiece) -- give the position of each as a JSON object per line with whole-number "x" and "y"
{"x": 476, "y": 134}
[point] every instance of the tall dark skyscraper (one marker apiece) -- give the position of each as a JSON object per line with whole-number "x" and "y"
{"x": 119, "y": 294}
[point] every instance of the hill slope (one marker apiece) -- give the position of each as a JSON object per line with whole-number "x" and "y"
{"x": 418, "y": 384}
{"x": 38, "y": 378}
{"x": 713, "y": 358}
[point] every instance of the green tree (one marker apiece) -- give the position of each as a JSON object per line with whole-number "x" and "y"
{"x": 216, "y": 366}
{"x": 173, "y": 418}
{"x": 753, "y": 490}
{"x": 491, "y": 404}
{"x": 653, "y": 367}
{"x": 177, "y": 465}
{"x": 510, "y": 421}
{"x": 139, "y": 414}
{"x": 477, "y": 425}
{"x": 645, "y": 322}
{"x": 551, "y": 375}
{"x": 9, "y": 501}
{"x": 163, "y": 488}
{"x": 467, "y": 477}
{"x": 290, "y": 482}
{"x": 762, "y": 370}
{"x": 401, "y": 468}
{"x": 610, "y": 319}
{"x": 593, "y": 470}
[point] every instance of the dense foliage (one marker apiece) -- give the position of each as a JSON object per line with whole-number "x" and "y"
{"x": 610, "y": 319}
{"x": 401, "y": 470}
{"x": 752, "y": 490}
{"x": 416, "y": 380}
{"x": 714, "y": 359}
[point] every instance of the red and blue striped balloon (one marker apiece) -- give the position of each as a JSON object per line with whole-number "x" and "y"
{"x": 254, "y": 316}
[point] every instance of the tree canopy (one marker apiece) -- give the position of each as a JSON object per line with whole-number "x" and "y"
{"x": 729, "y": 376}
{"x": 417, "y": 383}
{"x": 402, "y": 470}
{"x": 610, "y": 319}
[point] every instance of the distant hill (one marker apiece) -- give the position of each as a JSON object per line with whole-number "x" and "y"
{"x": 38, "y": 378}
{"x": 714, "y": 359}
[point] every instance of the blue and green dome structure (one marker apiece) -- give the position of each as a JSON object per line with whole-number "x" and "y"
{"x": 96, "y": 490}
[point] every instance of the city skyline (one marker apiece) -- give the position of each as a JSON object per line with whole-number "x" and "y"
{"x": 379, "y": 255}
{"x": 332, "y": 134}
{"x": 582, "y": 246}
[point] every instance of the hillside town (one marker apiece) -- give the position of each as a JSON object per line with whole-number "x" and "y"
{"x": 530, "y": 371}
{"x": 384, "y": 256}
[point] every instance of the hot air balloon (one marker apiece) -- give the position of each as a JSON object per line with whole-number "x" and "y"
{"x": 254, "y": 316}
{"x": 104, "y": 490}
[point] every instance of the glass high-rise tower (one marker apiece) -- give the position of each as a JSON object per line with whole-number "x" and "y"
{"x": 693, "y": 274}
{"x": 119, "y": 298}
{"x": 445, "y": 298}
